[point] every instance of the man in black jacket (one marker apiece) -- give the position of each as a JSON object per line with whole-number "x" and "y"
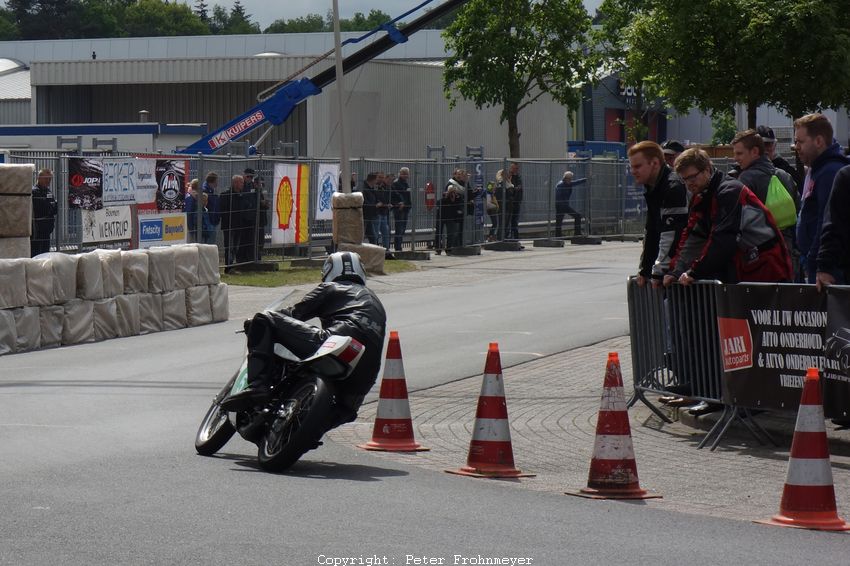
{"x": 513, "y": 198}
{"x": 44, "y": 209}
{"x": 238, "y": 224}
{"x": 834, "y": 251}
{"x": 400, "y": 202}
{"x": 667, "y": 209}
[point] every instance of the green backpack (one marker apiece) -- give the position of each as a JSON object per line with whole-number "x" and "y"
{"x": 780, "y": 204}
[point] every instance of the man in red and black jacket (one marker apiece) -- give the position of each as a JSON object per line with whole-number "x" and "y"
{"x": 730, "y": 235}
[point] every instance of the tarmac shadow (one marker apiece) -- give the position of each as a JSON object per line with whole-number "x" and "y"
{"x": 317, "y": 469}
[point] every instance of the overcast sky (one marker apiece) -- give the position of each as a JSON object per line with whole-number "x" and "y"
{"x": 265, "y": 12}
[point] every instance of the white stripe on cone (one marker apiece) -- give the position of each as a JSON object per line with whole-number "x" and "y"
{"x": 393, "y": 369}
{"x": 810, "y": 419}
{"x": 492, "y": 386}
{"x": 613, "y": 447}
{"x": 613, "y": 399}
{"x": 809, "y": 472}
{"x": 492, "y": 430}
{"x": 393, "y": 409}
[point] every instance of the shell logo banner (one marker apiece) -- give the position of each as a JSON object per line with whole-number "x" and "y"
{"x": 291, "y": 204}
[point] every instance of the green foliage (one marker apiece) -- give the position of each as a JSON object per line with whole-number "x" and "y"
{"x": 305, "y": 24}
{"x": 794, "y": 54}
{"x": 509, "y": 53}
{"x": 154, "y": 18}
{"x": 202, "y": 11}
{"x": 724, "y": 127}
{"x": 8, "y": 29}
{"x": 360, "y": 22}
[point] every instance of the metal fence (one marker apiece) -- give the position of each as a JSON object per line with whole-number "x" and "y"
{"x": 675, "y": 348}
{"x": 609, "y": 202}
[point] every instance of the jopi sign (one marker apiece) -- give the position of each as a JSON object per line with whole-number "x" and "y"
{"x": 162, "y": 230}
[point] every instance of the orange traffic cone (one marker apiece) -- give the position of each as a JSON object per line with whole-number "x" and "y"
{"x": 613, "y": 470}
{"x": 490, "y": 452}
{"x": 808, "y": 499}
{"x": 393, "y": 430}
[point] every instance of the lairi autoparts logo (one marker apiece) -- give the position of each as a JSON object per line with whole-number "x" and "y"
{"x": 736, "y": 343}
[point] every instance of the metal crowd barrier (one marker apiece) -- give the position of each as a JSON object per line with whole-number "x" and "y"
{"x": 676, "y": 351}
{"x": 608, "y": 201}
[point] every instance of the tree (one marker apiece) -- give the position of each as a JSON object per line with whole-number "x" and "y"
{"x": 713, "y": 55}
{"x": 101, "y": 18}
{"x": 359, "y": 22}
{"x": 609, "y": 54}
{"x": 8, "y": 29}
{"x": 202, "y": 11}
{"x": 808, "y": 58}
{"x": 47, "y": 19}
{"x": 240, "y": 22}
{"x": 236, "y": 22}
{"x": 154, "y": 18}
{"x": 219, "y": 20}
{"x": 509, "y": 53}
{"x": 305, "y": 24}
{"x": 724, "y": 127}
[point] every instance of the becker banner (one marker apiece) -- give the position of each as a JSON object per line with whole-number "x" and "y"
{"x": 291, "y": 204}
{"x": 769, "y": 336}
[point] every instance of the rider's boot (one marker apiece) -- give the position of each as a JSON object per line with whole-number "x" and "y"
{"x": 258, "y": 391}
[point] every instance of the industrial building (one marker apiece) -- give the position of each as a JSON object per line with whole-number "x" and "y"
{"x": 396, "y": 107}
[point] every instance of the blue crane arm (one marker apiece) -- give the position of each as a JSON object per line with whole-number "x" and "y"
{"x": 274, "y": 110}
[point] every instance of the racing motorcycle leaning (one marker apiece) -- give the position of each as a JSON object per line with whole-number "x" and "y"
{"x": 300, "y": 408}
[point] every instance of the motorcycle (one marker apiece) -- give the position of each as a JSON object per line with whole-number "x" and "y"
{"x": 301, "y": 407}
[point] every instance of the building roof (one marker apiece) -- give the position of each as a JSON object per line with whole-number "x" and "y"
{"x": 14, "y": 80}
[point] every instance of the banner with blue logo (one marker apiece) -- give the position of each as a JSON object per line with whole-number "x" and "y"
{"x": 328, "y": 185}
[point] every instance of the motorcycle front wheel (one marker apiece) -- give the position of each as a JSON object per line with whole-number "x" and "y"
{"x": 299, "y": 423}
{"x": 216, "y": 429}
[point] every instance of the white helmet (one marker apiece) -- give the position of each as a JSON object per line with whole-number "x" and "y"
{"x": 343, "y": 266}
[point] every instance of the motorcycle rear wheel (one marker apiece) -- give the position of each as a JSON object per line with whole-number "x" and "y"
{"x": 300, "y": 423}
{"x": 216, "y": 429}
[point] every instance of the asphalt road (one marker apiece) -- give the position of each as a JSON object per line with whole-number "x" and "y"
{"x": 98, "y": 466}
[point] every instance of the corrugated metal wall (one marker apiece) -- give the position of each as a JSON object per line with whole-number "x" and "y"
{"x": 211, "y": 103}
{"x": 394, "y": 110}
{"x": 14, "y": 112}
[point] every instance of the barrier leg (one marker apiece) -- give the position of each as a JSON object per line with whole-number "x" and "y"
{"x": 761, "y": 429}
{"x": 723, "y": 416}
{"x": 638, "y": 395}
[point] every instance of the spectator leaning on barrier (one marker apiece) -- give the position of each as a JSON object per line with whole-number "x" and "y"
{"x": 672, "y": 150}
{"x": 730, "y": 235}
{"x": 238, "y": 222}
{"x": 769, "y": 139}
{"x": 382, "y": 212}
{"x": 816, "y": 149}
{"x": 370, "y": 200}
{"x": 757, "y": 172}
{"x": 493, "y": 202}
{"x": 667, "y": 209}
{"x": 400, "y": 202}
{"x": 513, "y": 198}
{"x": 563, "y": 192}
{"x": 834, "y": 252}
{"x": 44, "y": 209}
{"x": 452, "y": 209}
{"x": 209, "y": 188}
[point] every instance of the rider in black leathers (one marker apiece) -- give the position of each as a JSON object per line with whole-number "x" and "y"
{"x": 346, "y": 307}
